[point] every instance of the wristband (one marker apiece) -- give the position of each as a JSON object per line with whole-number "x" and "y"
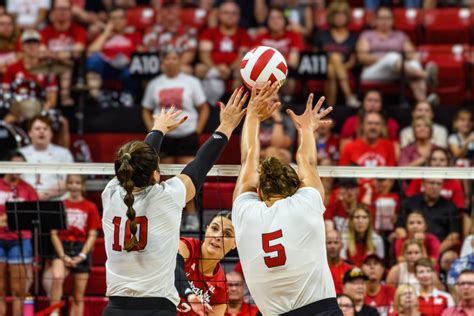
{"x": 82, "y": 255}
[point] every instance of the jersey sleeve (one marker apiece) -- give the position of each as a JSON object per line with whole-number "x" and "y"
{"x": 176, "y": 189}
{"x": 313, "y": 198}
{"x": 192, "y": 245}
{"x": 242, "y": 204}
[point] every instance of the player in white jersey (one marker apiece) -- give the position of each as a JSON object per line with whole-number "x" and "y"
{"x": 142, "y": 216}
{"x": 278, "y": 221}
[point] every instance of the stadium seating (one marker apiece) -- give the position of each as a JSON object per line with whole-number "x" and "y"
{"x": 447, "y": 26}
{"x": 140, "y": 18}
{"x": 451, "y": 62}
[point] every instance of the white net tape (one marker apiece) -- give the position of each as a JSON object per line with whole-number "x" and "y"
{"x": 233, "y": 171}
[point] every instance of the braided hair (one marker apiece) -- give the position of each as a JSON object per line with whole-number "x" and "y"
{"x": 277, "y": 178}
{"x": 135, "y": 164}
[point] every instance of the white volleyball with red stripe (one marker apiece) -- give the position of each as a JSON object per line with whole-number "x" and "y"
{"x": 263, "y": 64}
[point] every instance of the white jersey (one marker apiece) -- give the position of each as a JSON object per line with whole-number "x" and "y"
{"x": 183, "y": 91}
{"x": 149, "y": 272}
{"x": 53, "y": 154}
{"x": 282, "y": 249}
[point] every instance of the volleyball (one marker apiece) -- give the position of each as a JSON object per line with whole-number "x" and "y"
{"x": 263, "y": 64}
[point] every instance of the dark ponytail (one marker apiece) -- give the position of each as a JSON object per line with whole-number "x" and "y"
{"x": 134, "y": 167}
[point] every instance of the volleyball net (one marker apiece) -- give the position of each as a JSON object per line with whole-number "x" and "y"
{"x": 384, "y": 192}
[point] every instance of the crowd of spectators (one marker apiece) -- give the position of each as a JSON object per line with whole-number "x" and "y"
{"x": 414, "y": 234}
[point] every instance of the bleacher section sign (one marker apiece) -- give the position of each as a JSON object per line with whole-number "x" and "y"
{"x": 145, "y": 65}
{"x": 312, "y": 66}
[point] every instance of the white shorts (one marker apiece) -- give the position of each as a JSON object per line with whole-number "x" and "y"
{"x": 384, "y": 68}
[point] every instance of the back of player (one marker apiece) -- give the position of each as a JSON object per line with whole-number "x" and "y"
{"x": 283, "y": 250}
{"x": 158, "y": 216}
{"x": 278, "y": 219}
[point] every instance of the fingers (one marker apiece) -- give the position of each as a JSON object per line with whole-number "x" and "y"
{"x": 232, "y": 97}
{"x": 293, "y": 117}
{"x": 309, "y": 102}
{"x": 319, "y": 104}
{"x": 324, "y": 113}
{"x": 238, "y": 96}
{"x": 243, "y": 100}
{"x": 253, "y": 93}
{"x": 274, "y": 107}
{"x": 208, "y": 308}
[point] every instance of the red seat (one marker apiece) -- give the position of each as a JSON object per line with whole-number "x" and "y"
{"x": 98, "y": 255}
{"x": 231, "y": 154}
{"x": 408, "y": 21}
{"x": 194, "y": 17}
{"x": 141, "y": 18}
{"x": 105, "y": 145}
{"x": 447, "y": 26}
{"x": 451, "y": 61}
{"x": 217, "y": 195}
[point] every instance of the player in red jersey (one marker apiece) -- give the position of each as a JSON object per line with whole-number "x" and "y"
{"x": 15, "y": 252}
{"x": 202, "y": 265}
{"x": 74, "y": 244}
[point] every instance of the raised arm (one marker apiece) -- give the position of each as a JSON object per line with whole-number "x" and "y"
{"x": 258, "y": 110}
{"x": 306, "y": 156}
{"x": 194, "y": 174}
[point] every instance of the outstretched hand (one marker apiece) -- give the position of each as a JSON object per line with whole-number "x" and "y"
{"x": 198, "y": 306}
{"x": 311, "y": 118}
{"x": 168, "y": 121}
{"x": 232, "y": 113}
{"x": 259, "y": 104}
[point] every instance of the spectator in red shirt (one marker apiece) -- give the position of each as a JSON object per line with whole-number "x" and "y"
{"x": 416, "y": 229}
{"x": 74, "y": 244}
{"x": 221, "y": 50}
{"x": 360, "y": 240}
{"x": 452, "y": 188}
{"x": 289, "y": 43}
{"x": 203, "y": 267}
{"x": 343, "y": 200}
{"x": 417, "y": 153}
{"x": 9, "y": 35}
{"x": 236, "y": 305}
{"x": 379, "y": 296}
{"x": 372, "y": 102}
{"x": 337, "y": 266}
{"x": 15, "y": 252}
{"x": 110, "y": 53}
{"x": 170, "y": 33}
{"x": 64, "y": 41}
{"x": 432, "y": 301}
{"x": 370, "y": 149}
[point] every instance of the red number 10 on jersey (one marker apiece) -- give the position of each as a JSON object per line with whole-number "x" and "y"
{"x": 142, "y": 223}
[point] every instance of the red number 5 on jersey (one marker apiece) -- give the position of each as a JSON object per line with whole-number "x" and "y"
{"x": 142, "y": 223}
{"x": 280, "y": 258}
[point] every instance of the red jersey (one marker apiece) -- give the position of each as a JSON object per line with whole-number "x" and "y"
{"x": 329, "y": 149}
{"x": 337, "y": 272}
{"x": 80, "y": 218}
{"x": 17, "y": 71}
{"x": 351, "y": 125}
{"x": 284, "y": 44}
{"x": 383, "y": 300}
{"x": 359, "y": 153}
{"x": 23, "y": 192}
{"x": 225, "y": 48}
{"x": 431, "y": 243}
{"x": 386, "y": 207}
{"x": 452, "y": 190}
{"x": 63, "y": 41}
{"x": 245, "y": 310}
{"x": 435, "y": 304}
{"x": 119, "y": 48}
{"x": 211, "y": 289}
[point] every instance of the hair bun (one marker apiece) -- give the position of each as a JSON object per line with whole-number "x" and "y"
{"x": 127, "y": 156}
